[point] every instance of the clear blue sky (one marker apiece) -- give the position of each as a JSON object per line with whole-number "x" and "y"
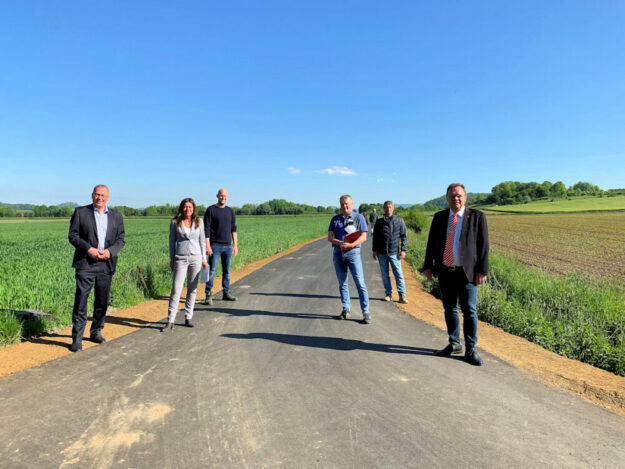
{"x": 307, "y": 100}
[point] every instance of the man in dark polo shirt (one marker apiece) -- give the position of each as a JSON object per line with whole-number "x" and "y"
{"x": 221, "y": 243}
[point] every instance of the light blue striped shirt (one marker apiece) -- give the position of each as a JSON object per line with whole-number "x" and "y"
{"x": 102, "y": 224}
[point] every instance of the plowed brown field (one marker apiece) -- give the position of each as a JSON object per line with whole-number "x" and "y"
{"x": 588, "y": 244}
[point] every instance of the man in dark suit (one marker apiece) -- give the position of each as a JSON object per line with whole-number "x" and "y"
{"x": 97, "y": 233}
{"x": 457, "y": 253}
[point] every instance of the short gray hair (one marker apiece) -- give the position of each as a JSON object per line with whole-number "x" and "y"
{"x": 345, "y": 196}
{"x": 100, "y": 185}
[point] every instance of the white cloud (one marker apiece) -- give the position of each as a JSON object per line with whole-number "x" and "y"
{"x": 337, "y": 171}
{"x": 293, "y": 170}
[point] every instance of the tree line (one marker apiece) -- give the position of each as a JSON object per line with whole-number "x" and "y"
{"x": 514, "y": 192}
{"x": 271, "y": 207}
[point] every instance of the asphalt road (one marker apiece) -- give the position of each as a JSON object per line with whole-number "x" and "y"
{"x": 274, "y": 380}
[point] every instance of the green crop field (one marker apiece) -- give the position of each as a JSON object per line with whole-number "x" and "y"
{"x": 36, "y": 259}
{"x": 574, "y": 204}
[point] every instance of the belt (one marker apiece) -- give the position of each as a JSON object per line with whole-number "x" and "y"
{"x": 451, "y": 268}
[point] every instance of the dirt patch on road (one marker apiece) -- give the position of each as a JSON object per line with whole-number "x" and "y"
{"x": 593, "y": 384}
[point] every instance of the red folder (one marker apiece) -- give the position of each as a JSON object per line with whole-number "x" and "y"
{"x": 350, "y": 238}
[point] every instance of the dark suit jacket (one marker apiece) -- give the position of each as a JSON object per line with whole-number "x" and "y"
{"x": 473, "y": 243}
{"x": 83, "y": 234}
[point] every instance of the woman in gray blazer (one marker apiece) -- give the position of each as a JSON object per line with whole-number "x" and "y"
{"x": 187, "y": 257}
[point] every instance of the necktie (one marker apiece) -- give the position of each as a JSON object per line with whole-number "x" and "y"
{"x": 448, "y": 254}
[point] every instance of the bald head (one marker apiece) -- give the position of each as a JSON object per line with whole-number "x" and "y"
{"x": 222, "y": 197}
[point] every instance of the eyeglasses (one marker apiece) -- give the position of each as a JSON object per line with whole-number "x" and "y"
{"x": 102, "y": 196}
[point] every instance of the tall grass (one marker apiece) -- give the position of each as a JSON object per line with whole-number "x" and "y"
{"x": 36, "y": 257}
{"x": 569, "y": 315}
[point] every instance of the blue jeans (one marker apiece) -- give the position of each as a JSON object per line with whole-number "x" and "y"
{"x": 350, "y": 260}
{"x": 395, "y": 262}
{"x": 456, "y": 289}
{"x": 223, "y": 252}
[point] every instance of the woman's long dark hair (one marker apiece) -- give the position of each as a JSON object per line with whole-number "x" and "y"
{"x": 194, "y": 218}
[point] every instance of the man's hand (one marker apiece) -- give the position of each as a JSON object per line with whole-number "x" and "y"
{"x": 375, "y": 255}
{"x": 347, "y": 246}
{"x": 480, "y": 278}
{"x": 209, "y": 251}
{"x": 171, "y": 266}
{"x": 105, "y": 255}
{"x": 402, "y": 255}
{"x": 428, "y": 274}
{"x": 93, "y": 253}
{"x": 235, "y": 250}
{"x": 204, "y": 264}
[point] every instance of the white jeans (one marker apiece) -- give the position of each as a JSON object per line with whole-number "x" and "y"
{"x": 190, "y": 267}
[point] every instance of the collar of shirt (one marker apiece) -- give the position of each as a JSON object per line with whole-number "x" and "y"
{"x": 460, "y": 213}
{"x": 106, "y": 209}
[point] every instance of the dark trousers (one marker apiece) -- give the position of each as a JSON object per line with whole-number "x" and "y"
{"x": 456, "y": 289}
{"x": 99, "y": 274}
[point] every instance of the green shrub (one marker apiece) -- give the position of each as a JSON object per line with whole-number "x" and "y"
{"x": 416, "y": 220}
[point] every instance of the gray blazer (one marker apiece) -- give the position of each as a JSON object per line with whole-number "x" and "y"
{"x": 183, "y": 244}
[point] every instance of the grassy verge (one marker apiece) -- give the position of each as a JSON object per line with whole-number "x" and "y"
{"x": 564, "y": 205}
{"x": 569, "y": 315}
{"x": 36, "y": 268}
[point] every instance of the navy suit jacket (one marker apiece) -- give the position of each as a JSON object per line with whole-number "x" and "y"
{"x": 473, "y": 243}
{"x": 83, "y": 235}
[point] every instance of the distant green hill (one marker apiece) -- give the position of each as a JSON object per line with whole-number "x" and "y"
{"x": 564, "y": 205}
{"x": 441, "y": 201}
{"x": 18, "y": 206}
{"x": 32, "y": 206}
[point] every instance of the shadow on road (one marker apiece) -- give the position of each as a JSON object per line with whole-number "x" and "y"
{"x": 132, "y": 322}
{"x": 333, "y": 343}
{"x": 258, "y": 312}
{"x": 296, "y": 295}
{"x": 304, "y": 295}
{"x": 47, "y": 339}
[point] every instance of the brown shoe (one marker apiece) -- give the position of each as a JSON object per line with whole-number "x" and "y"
{"x": 402, "y": 299}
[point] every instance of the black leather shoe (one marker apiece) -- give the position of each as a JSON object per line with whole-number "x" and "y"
{"x": 75, "y": 347}
{"x": 449, "y": 350}
{"x": 473, "y": 358}
{"x": 188, "y": 322}
{"x": 344, "y": 314}
{"x": 97, "y": 338}
{"x": 228, "y": 297}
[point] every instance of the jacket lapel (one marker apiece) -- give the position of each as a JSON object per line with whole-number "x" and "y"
{"x": 465, "y": 226}
{"x": 91, "y": 218}
{"x": 109, "y": 229}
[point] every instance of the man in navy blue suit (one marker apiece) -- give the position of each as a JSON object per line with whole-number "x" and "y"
{"x": 97, "y": 233}
{"x": 457, "y": 253}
